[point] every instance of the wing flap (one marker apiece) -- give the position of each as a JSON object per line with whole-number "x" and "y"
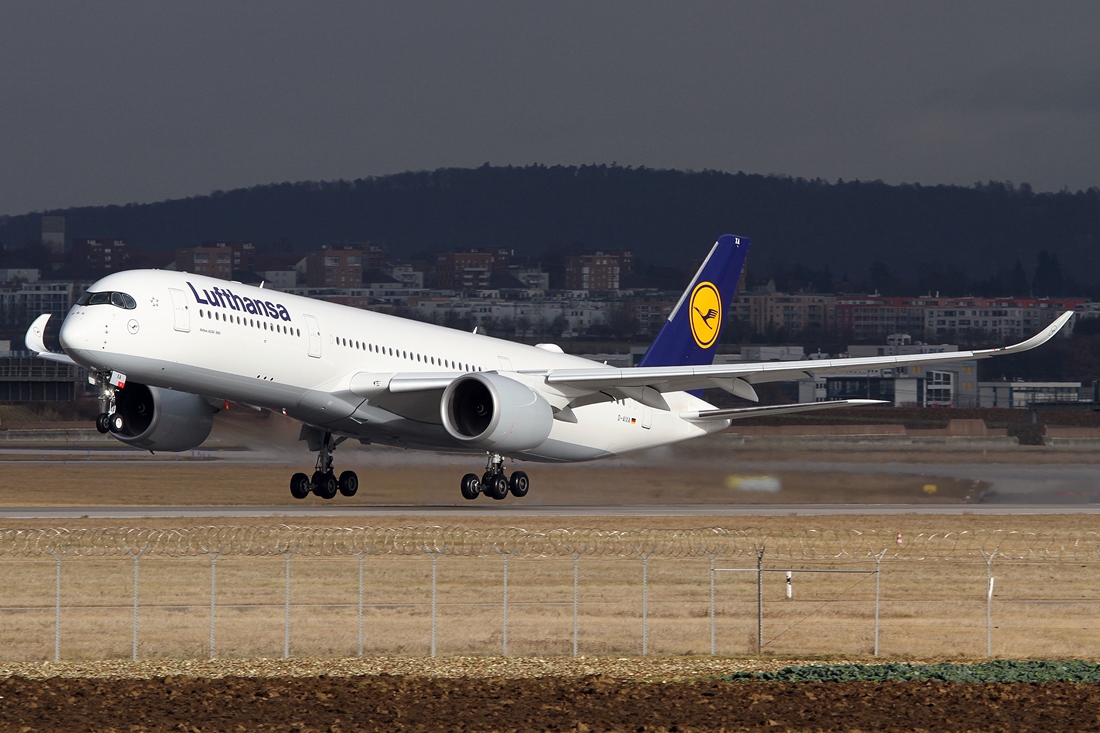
{"x": 735, "y": 413}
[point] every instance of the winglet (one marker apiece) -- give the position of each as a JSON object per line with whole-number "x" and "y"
{"x": 36, "y": 334}
{"x": 1037, "y": 340}
{"x": 36, "y": 341}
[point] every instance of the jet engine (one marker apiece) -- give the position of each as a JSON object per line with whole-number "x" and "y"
{"x": 493, "y": 412}
{"x": 160, "y": 419}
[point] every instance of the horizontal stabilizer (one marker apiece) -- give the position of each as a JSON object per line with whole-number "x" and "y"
{"x": 735, "y": 413}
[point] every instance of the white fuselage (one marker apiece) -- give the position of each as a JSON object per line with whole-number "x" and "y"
{"x": 298, "y": 355}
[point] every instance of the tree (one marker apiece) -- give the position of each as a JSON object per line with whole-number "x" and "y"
{"x": 885, "y": 281}
{"x": 1048, "y": 279}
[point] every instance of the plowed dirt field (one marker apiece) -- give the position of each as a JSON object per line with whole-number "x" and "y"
{"x": 396, "y": 703}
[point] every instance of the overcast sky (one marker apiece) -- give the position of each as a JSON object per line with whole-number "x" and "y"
{"x": 117, "y": 102}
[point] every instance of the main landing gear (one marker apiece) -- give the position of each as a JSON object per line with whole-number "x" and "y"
{"x": 324, "y": 482}
{"x": 493, "y": 483}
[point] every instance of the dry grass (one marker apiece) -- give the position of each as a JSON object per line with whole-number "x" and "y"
{"x": 928, "y": 609}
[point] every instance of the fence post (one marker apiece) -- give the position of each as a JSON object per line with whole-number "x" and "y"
{"x": 287, "y": 555}
{"x": 989, "y": 601}
{"x": 878, "y": 575}
{"x": 136, "y": 557}
{"x": 506, "y": 557}
{"x": 213, "y": 592}
{"x": 57, "y": 601}
{"x": 576, "y": 555}
{"x": 712, "y": 556}
{"x": 759, "y": 600}
{"x": 645, "y": 597}
{"x": 435, "y": 560}
{"x": 361, "y": 555}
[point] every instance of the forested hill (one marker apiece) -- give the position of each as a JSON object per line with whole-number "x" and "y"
{"x": 914, "y": 233}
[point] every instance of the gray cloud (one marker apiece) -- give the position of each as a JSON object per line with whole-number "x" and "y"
{"x": 118, "y": 101}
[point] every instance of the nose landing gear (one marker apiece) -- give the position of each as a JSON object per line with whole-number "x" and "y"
{"x": 324, "y": 482}
{"x": 494, "y": 483}
{"x": 107, "y": 420}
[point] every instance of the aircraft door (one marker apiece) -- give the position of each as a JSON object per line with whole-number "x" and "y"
{"x": 180, "y": 311}
{"x": 314, "y": 336}
{"x": 647, "y": 417}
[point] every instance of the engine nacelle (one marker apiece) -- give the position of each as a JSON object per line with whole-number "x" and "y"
{"x": 160, "y": 419}
{"x": 496, "y": 413}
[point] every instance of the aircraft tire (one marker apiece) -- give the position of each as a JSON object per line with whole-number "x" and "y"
{"x": 519, "y": 484}
{"x": 471, "y": 486}
{"x": 327, "y": 487}
{"x": 299, "y": 486}
{"x": 349, "y": 483}
{"x": 115, "y": 423}
{"x": 102, "y": 422}
{"x": 497, "y": 488}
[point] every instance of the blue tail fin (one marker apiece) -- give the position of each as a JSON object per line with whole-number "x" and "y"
{"x": 690, "y": 336}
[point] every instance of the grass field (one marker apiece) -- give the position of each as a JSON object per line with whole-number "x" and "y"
{"x": 928, "y": 609}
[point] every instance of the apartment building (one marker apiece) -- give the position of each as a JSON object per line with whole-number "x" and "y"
{"x": 217, "y": 259}
{"x": 596, "y": 271}
{"x": 99, "y": 255}
{"x": 334, "y": 268}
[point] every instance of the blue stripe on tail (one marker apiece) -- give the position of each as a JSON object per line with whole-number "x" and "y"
{"x": 694, "y": 327}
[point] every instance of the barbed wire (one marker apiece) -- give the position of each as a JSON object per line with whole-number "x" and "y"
{"x": 817, "y": 545}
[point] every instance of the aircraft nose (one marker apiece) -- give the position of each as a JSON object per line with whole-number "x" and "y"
{"x": 73, "y": 335}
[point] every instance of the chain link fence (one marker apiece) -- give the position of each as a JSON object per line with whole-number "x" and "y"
{"x": 689, "y": 590}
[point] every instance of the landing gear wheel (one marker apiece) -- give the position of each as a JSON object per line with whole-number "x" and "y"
{"x": 471, "y": 486}
{"x": 349, "y": 483}
{"x": 519, "y": 484}
{"x": 102, "y": 422}
{"x": 327, "y": 486}
{"x": 115, "y": 423}
{"x": 497, "y": 486}
{"x": 299, "y": 486}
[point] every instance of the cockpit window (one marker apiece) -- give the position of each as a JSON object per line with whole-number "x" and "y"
{"x": 117, "y": 299}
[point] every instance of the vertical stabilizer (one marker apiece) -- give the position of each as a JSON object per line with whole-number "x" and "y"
{"x": 691, "y": 334}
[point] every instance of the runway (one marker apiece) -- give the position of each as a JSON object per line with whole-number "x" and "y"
{"x": 641, "y": 485}
{"x": 356, "y": 513}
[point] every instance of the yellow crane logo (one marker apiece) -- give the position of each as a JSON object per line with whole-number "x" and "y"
{"x": 706, "y": 314}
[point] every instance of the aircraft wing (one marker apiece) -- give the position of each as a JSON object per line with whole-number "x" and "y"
{"x": 575, "y": 387}
{"x": 35, "y": 340}
{"x": 739, "y": 378}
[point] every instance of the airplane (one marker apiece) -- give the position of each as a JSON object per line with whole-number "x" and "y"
{"x": 167, "y": 350}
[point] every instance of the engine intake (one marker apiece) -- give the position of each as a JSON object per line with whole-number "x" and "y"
{"x": 161, "y": 419}
{"x": 496, "y": 413}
